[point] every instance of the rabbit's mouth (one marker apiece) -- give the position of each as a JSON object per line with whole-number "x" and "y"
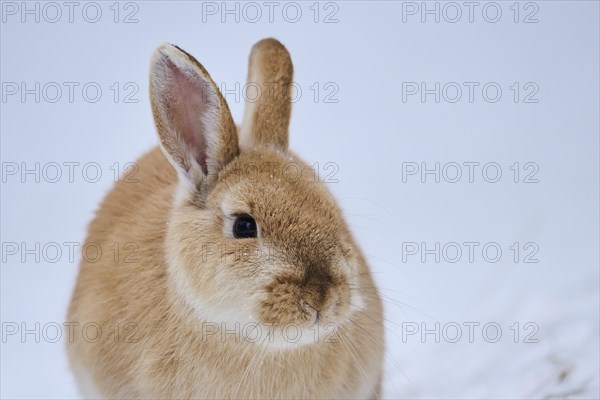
{"x": 304, "y": 301}
{"x": 309, "y": 310}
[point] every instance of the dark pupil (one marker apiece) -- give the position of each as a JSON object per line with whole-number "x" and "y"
{"x": 244, "y": 227}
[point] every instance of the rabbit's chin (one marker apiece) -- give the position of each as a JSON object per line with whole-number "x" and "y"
{"x": 271, "y": 336}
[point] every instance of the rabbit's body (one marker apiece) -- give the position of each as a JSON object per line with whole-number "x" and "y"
{"x": 174, "y": 310}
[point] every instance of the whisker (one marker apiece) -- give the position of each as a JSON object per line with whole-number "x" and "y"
{"x": 399, "y": 303}
{"x": 386, "y": 353}
{"x": 354, "y": 356}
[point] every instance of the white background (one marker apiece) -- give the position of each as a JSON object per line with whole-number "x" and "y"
{"x": 366, "y": 52}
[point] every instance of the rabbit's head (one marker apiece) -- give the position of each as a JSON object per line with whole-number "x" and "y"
{"x": 254, "y": 239}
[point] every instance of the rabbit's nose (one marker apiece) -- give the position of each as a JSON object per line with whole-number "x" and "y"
{"x": 312, "y": 312}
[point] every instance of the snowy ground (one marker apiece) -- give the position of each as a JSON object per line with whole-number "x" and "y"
{"x": 545, "y": 310}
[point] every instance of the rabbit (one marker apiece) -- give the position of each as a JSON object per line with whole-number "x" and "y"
{"x": 225, "y": 269}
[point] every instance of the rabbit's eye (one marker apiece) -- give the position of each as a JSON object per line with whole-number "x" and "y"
{"x": 244, "y": 226}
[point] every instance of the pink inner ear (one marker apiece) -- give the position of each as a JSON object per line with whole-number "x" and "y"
{"x": 187, "y": 103}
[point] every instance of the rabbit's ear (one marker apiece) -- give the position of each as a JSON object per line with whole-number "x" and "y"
{"x": 196, "y": 130}
{"x": 268, "y": 97}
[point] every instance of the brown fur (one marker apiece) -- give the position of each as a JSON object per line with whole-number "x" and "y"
{"x": 304, "y": 260}
{"x": 268, "y": 119}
